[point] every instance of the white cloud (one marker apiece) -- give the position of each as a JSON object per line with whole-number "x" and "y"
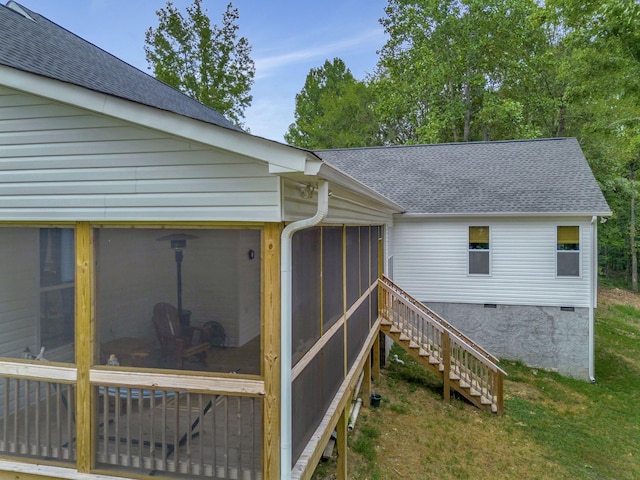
{"x": 266, "y": 66}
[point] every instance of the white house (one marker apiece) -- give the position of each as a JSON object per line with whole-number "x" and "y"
{"x": 131, "y": 214}
{"x": 120, "y": 195}
{"x": 499, "y": 238}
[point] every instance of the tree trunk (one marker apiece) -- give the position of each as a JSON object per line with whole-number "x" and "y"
{"x": 467, "y": 113}
{"x": 561, "y": 120}
{"x": 632, "y": 230}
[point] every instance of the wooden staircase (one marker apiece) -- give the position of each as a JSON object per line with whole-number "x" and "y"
{"x": 463, "y": 366}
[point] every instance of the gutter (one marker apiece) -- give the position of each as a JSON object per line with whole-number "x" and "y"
{"x": 506, "y": 214}
{"x": 285, "y": 325}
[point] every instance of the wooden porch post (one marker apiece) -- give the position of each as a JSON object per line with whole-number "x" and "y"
{"x": 84, "y": 345}
{"x": 270, "y": 300}
{"x": 446, "y": 374}
{"x": 381, "y": 300}
{"x": 341, "y": 442}
{"x": 376, "y": 357}
{"x": 366, "y": 381}
{"x": 499, "y": 386}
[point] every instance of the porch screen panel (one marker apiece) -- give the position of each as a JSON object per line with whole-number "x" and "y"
{"x": 353, "y": 264}
{"x": 357, "y": 331}
{"x": 37, "y": 293}
{"x": 186, "y": 299}
{"x": 332, "y": 279}
{"x": 373, "y": 302}
{"x": 313, "y": 391}
{"x": 376, "y": 233}
{"x": 305, "y": 274}
{"x": 364, "y": 259}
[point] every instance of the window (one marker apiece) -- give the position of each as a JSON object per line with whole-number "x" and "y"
{"x": 57, "y": 289}
{"x": 479, "y": 251}
{"x": 568, "y": 251}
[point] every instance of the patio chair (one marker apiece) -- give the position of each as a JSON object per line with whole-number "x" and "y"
{"x": 178, "y": 342}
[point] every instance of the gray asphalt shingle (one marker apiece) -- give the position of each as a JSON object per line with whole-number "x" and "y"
{"x": 524, "y": 176}
{"x": 46, "y": 49}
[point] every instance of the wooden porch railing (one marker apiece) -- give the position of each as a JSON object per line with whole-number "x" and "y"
{"x": 463, "y": 365}
{"x": 37, "y": 419}
{"x": 153, "y": 431}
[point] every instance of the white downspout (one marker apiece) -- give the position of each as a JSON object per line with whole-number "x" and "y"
{"x": 285, "y": 325}
{"x": 593, "y": 296}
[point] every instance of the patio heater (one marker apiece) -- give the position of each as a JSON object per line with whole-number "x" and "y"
{"x": 178, "y": 242}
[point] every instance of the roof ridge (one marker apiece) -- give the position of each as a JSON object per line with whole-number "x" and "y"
{"x": 422, "y": 145}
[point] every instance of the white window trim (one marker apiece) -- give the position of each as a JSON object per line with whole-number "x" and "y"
{"x": 490, "y": 227}
{"x": 556, "y": 251}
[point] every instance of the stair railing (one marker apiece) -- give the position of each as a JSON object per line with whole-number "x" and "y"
{"x": 435, "y": 317}
{"x": 461, "y": 359}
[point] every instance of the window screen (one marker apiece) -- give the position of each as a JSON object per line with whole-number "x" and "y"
{"x": 479, "y": 261}
{"x": 568, "y": 251}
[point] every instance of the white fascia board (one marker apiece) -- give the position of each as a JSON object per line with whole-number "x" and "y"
{"x": 277, "y": 154}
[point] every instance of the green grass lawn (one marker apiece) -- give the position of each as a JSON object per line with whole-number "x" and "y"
{"x": 592, "y": 430}
{"x": 553, "y": 427}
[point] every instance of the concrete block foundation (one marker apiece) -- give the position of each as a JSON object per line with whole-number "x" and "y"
{"x": 551, "y": 338}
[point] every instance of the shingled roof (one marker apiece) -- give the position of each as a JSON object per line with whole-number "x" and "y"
{"x": 39, "y": 46}
{"x": 547, "y": 176}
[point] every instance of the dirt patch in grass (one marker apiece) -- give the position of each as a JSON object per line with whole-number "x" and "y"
{"x": 618, "y": 296}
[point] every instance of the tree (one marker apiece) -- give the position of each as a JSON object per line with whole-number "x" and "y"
{"x": 455, "y": 65}
{"x": 208, "y": 63}
{"x": 333, "y": 110}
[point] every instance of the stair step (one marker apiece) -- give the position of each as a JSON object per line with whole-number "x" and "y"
{"x": 413, "y": 344}
{"x": 394, "y": 329}
{"x": 404, "y": 337}
{"x": 385, "y": 322}
{"x": 423, "y": 353}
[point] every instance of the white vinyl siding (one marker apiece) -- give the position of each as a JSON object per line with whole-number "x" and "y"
{"x": 430, "y": 262}
{"x": 344, "y": 207}
{"x": 61, "y": 163}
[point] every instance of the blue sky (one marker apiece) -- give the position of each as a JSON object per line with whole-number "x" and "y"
{"x": 289, "y": 37}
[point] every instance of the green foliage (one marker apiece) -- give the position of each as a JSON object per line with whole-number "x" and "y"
{"x": 207, "y": 62}
{"x": 364, "y": 443}
{"x": 333, "y": 110}
{"x": 459, "y": 70}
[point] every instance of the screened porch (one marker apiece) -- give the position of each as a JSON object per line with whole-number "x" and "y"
{"x": 167, "y": 324}
{"x": 90, "y": 381}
